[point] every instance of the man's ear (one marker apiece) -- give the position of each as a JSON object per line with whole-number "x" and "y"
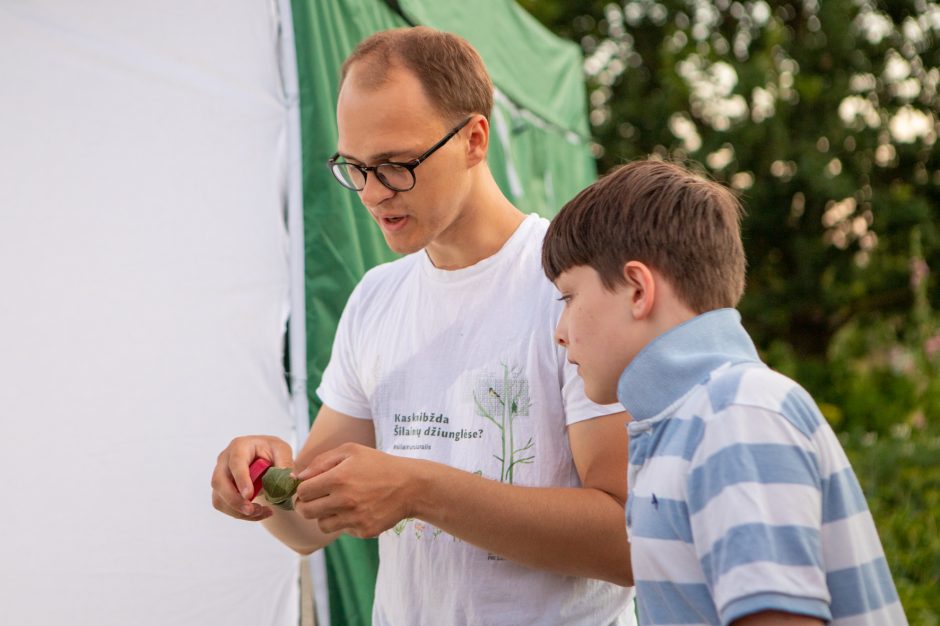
{"x": 642, "y": 287}
{"x": 478, "y": 140}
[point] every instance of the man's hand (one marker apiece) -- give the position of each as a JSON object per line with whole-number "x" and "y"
{"x": 356, "y": 489}
{"x": 575, "y": 531}
{"x": 231, "y": 483}
{"x": 777, "y": 618}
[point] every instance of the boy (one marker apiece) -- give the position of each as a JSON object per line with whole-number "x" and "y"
{"x": 742, "y": 506}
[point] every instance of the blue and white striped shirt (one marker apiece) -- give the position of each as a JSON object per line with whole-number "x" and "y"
{"x": 741, "y": 497}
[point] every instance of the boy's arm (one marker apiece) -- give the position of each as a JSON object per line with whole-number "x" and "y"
{"x": 576, "y": 531}
{"x": 230, "y": 481}
{"x": 777, "y": 618}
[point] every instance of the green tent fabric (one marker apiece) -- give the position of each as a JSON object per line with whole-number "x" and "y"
{"x": 512, "y": 43}
{"x": 538, "y": 153}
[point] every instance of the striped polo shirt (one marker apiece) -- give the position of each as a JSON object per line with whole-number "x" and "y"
{"x": 741, "y": 498}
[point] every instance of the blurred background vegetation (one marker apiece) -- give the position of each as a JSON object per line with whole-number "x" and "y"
{"x": 825, "y": 117}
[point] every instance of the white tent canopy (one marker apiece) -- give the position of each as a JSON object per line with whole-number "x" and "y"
{"x": 147, "y": 163}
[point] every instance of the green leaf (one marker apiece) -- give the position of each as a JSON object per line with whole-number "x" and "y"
{"x": 279, "y": 487}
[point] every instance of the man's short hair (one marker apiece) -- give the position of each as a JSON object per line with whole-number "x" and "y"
{"x": 449, "y": 68}
{"x": 661, "y": 214}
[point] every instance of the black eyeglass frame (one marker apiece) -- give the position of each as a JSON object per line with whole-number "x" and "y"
{"x": 409, "y": 165}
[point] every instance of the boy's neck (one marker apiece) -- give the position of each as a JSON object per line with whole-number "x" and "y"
{"x": 668, "y": 310}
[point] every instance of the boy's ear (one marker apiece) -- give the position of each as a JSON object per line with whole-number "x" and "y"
{"x": 642, "y": 287}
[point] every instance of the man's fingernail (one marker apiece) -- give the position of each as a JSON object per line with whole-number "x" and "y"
{"x": 247, "y": 509}
{"x": 246, "y": 493}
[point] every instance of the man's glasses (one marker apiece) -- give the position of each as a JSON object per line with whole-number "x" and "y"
{"x": 395, "y": 176}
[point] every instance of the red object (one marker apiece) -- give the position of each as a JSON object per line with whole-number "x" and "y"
{"x": 256, "y": 471}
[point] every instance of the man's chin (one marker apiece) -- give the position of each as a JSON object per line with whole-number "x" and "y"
{"x": 401, "y": 247}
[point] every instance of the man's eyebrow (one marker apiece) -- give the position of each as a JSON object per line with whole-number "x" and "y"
{"x": 382, "y": 157}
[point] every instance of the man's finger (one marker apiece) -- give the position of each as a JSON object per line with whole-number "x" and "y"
{"x": 249, "y": 512}
{"x": 223, "y": 487}
{"x": 283, "y": 455}
{"x": 334, "y": 523}
{"x": 322, "y": 506}
{"x": 239, "y": 458}
{"x": 319, "y": 486}
{"x": 324, "y": 461}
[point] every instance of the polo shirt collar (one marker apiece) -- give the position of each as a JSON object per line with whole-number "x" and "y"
{"x": 681, "y": 358}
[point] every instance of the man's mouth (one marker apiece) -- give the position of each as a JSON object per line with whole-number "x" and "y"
{"x": 392, "y": 223}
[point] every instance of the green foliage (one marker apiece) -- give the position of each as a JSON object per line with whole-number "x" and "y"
{"x": 823, "y": 115}
{"x": 901, "y": 479}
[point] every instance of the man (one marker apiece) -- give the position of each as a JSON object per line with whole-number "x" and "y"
{"x": 451, "y": 425}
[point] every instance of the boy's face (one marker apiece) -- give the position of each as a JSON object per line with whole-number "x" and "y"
{"x": 397, "y": 122}
{"x": 597, "y": 329}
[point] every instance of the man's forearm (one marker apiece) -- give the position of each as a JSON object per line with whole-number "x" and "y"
{"x": 573, "y": 531}
{"x": 299, "y": 534}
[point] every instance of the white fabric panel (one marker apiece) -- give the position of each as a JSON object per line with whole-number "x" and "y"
{"x": 143, "y": 299}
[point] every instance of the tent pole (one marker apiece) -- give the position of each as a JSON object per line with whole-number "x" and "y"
{"x": 297, "y": 331}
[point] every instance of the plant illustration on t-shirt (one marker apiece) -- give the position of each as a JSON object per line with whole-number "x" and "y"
{"x": 501, "y": 400}
{"x": 420, "y": 527}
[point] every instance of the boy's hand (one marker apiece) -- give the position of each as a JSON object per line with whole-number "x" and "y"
{"x": 231, "y": 483}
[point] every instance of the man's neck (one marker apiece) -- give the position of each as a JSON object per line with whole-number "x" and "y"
{"x": 485, "y": 224}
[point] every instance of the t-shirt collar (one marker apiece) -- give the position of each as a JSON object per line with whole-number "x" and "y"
{"x": 507, "y": 252}
{"x": 681, "y": 358}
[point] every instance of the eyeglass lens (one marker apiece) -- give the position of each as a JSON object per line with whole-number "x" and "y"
{"x": 394, "y": 176}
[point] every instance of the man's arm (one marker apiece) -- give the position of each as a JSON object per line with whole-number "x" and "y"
{"x": 777, "y": 618}
{"x": 231, "y": 483}
{"x": 574, "y": 531}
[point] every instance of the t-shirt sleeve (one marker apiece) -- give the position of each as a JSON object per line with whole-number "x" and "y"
{"x": 578, "y": 407}
{"x": 755, "y": 505}
{"x": 341, "y": 386}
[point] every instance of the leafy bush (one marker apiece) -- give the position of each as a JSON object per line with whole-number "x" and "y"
{"x": 900, "y": 476}
{"x": 881, "y": 370}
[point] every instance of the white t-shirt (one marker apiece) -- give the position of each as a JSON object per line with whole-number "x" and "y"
{"x": 461, "y": 367}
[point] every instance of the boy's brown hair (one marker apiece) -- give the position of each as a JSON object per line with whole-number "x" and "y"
{"x": 685, "y": 227}
{"x": 449, "y": 68}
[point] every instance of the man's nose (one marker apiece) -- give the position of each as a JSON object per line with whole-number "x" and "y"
{"x": 374, "y": 191}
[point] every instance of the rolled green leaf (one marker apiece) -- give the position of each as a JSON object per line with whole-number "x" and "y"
{"x": 279, "y": 487}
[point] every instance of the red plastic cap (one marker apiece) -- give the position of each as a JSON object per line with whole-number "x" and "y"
{"x": 256, "y": 471}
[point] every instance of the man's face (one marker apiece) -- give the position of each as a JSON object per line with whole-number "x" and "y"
{"x": 596, "y": 329}
{"x": 396, "y": 122}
